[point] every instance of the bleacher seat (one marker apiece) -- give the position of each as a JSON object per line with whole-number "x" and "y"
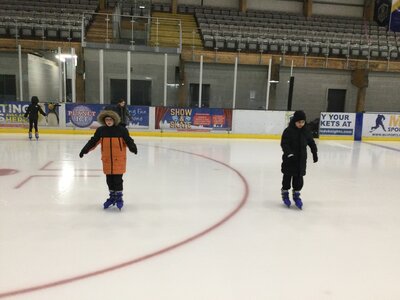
{"x": 315, "y": 47}
{"x": 384, "y": 51}
{"x": 345, "y": 49}
{"x": 393, "y": 52}
{"x": 3, "y": 28}
{"x": 39, "y": 30}
{"x": 355, "y": 49}
{"x": 230, "y": 43}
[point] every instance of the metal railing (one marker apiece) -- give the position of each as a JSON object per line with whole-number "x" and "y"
{"x": 134, "y": 31}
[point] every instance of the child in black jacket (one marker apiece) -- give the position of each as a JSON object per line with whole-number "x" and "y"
{"x": 295, "y": 139}
{"x": 33, "y": 111}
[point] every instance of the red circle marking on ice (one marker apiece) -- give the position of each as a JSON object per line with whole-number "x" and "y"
{"x": 200, "y": 234}
{"x": 5, "y": 172}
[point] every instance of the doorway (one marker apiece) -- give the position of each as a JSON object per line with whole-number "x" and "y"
{"x": 336, "y": 100}
{"x": 8, "y": 88}
{"x": 194, "y": 95}
{"x": 140, "y": 91}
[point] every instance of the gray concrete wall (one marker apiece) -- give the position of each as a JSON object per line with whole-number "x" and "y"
{"x": 9, "y": 66}
{"x": 345, "y": 10}
{"x": 277, "y": 5}
{"x": 348, "y": 8}
{"x": 221, "y": 3}
{"x": 383, "y": 92}
{"x": 310, "y": 88}
{"x": 250, "y": 90}
{"x": 43, "y": 78}
{"x": 144, "y": 66}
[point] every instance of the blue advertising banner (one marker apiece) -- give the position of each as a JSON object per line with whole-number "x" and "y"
{"x": 12, "y": 114}
{"x": 395, "y": 16}
{"x": 139, "y": 117}
{"x": 193, "y": 119}
{"x": 339, "y": 125}
{"x": 85, "y": 116}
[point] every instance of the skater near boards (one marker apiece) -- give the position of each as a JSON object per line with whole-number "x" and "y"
{"x": 32, "y": 113}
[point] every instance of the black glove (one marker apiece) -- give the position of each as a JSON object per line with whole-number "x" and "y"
{"x": 81, "y": 154}
{"x": 133, "y": 148}
{"x": 315, "y": 157}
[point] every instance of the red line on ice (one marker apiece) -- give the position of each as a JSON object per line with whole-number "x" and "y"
{"x": 150, "y": 255}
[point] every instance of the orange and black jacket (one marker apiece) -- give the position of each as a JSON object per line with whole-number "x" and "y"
{"x": 113, "y": 140}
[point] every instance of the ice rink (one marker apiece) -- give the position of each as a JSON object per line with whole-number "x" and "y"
{"x": 203, "y": 219}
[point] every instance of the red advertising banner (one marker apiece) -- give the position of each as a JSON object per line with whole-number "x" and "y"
{"x": 193, "y": 119}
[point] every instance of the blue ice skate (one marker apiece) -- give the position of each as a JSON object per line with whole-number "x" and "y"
{"x": 285, "y": 197}
{"x": 297, "y": 199}
{"x": 110, "y": 201}
{"x": 118, "y": 199}
{"x": 30, "y": 135}
{"x": 37, "y": 135}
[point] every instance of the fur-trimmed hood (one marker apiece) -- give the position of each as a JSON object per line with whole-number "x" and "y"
{"x": 108, "y": 113}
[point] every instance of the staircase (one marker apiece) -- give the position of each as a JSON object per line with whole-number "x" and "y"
{"x": 98, "y": 31}
{"x": 168, "y": 31}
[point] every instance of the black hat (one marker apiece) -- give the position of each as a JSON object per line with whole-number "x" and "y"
{"x": 34, "y": 100}
{"x": 298, "y": 116}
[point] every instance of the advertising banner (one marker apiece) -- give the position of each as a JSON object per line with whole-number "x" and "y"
{"x": 140, "y": 117}
{"x": 12, "y": 114}
{"x": 394, "y": 24}
{"x": 337, "y": 125}
{"x": 382, "y": 12}
{"x": 193, "y": 119}
{"x": 82, "y": 115}
{"x": 264, "y": 122}
{"x": 85, "y": 116}
{"x": 381, "y": 126}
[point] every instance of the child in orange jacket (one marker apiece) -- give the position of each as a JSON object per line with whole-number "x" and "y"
{"x": 113, "y": 139}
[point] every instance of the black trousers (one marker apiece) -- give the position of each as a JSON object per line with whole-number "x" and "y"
{"x": 296, "y": 181}
{"x": 33, "y": 123}
{"x": 115, "y": 182}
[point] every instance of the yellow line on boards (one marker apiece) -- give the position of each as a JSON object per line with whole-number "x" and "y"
{"x": 332, "y": 137}
{"x": 148, "y": 133}
{"x": 387, "y": 139}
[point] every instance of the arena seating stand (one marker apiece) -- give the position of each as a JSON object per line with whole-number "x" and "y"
{"x": 45, "y": 19}
{"x": 278, "y": 32}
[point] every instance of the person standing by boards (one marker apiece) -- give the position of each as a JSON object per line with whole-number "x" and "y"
{"x": 32, "y": 112}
